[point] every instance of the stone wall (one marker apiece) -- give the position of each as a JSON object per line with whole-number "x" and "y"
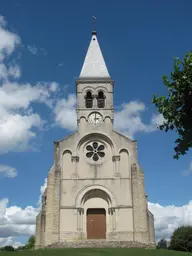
{"x": 151, "y": 227}
{"x": 49, "y": 207}
{"x": 38, "y": 232}
{"x": 140, "y": 219}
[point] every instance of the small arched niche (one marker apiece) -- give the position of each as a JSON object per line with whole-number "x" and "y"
{"x": 124, "y": 163}
{"x": 66, "y": 164}
{"x": 89, "y": 100}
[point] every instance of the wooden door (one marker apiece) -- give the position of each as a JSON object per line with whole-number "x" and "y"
{"x": 96, "y": 224}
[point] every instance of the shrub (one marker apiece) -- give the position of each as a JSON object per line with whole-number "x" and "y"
{"x": 31, "y": 243}
{"x": 181, "y": 239}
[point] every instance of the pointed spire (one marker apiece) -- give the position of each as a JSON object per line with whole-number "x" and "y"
{"x": 94, "y": 65}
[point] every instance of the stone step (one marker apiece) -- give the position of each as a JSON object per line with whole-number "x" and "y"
{"x": 100, "y": 244}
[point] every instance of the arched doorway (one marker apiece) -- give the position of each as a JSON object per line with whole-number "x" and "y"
{"x": 96, "y": 216}
{"x": 96, "y": 223}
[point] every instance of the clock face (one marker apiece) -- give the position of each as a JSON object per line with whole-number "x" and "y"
{"x": 95, "y": 118}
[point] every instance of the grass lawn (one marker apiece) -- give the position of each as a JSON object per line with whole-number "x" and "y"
{"x": 95, "y": 252}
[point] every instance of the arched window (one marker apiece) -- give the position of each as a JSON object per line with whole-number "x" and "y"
{"x": 101, "y": 100}
{"x": 89, "y": 100}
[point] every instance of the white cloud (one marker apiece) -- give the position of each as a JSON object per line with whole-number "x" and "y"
{"x": 14, "y": 71}
{"x": 189, "y": 170}
{"x": 157, "y": 120}
{"x": 8, "y": 40}
{"x": 18, "y": 122}
{"x": 65, "y": 113}
{"x": 42, "y": 189}
{"x": 16, "y": 131}
{"x": 8, "y": 171}
{"x": 15, "y": 219}
{"x": 54, "y": 87}
{"x": 4, "y": 241}
{"x": 17, "y": 96}
{"x": 128, "y": 119}
{"x": 32, "y": 49}
{"x": 35, "y": 51}
{"x": 16, "y": 222}
{"x": 168, "y": 218}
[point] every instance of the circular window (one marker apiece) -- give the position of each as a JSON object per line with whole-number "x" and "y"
{"x": 95, "y": 151}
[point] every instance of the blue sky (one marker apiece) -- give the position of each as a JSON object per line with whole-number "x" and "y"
{"x": 44, "y": 47}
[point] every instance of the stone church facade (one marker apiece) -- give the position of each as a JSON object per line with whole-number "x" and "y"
{"x": 95, "y": 189}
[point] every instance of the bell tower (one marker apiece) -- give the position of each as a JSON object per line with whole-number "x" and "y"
{"x": 94, "y": 91}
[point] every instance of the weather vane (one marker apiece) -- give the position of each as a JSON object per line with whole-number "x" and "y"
{"x": 94, "y": 23}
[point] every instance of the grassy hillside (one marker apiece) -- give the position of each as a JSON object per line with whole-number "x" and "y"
{"x": 96, "y": 252}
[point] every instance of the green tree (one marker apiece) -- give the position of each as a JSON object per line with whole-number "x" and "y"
{"x": 181, "y": 240}
{"x": 176, "y": 108}
{"x": 8, "y": 248}
{"x": 162, "y": 244}
{"x": 31, "y": 243}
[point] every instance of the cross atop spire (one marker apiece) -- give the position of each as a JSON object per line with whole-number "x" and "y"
{"x": 94, "y": 24}
{"x": 94, "y": 64}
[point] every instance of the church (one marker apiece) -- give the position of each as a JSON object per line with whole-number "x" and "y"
{"x": 95, "y": 189}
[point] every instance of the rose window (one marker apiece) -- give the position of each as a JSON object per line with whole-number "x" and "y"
{"x": 95, "y": 151}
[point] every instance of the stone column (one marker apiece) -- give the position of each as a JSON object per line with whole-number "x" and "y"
{"x": 116, "y": 160}
{"x": 110, "y": 219}
{"x": 75, "y": 160}
{"x": 114, "y": 218}
{"x": 80, "y": 212}
{"x": 95, "y": 101}
{"x": 112, "y": 214}
{"x": 79, "y": 218}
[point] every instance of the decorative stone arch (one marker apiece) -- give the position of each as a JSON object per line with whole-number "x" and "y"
{"x": 82, "y": 193}
{"x": 124, "y": 150}
{"x": 100, "y": 136}
{"x": 66, "y": 151}
{"x": 96, "y": 197}
{"x": 107, "y": 116}
{"x": 88, "y": 88}
{"x": 83, "y": 117}
{"x": 101, "y": 88}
